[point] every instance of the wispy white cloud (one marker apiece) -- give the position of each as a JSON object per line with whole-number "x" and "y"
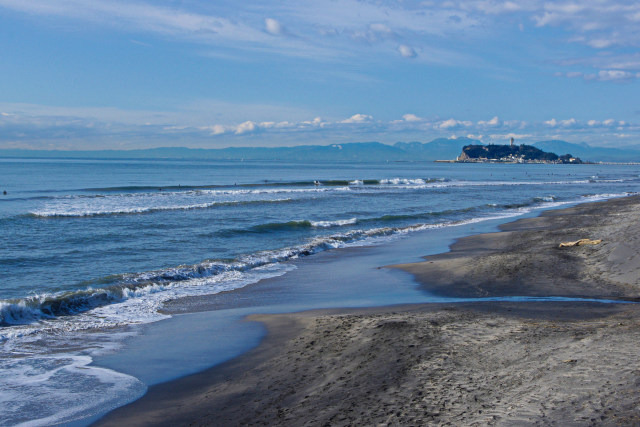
{"x": 252, "y": 32}
{"x": 605, "y": 26}
{"x": 507, "y": 136}
{"x": 596, "y": 23}
{"x": 315, "y": 122}
{"x": 382, "y": 29}
{"x": 491, "y": 7}
{"x": 453, "y": 123}
{"x": 358, "y": 118}
{"x": 429, "y": 31}
{"x": 140, "y": 16}
{"x": 609, "y": 123}
{"x": 407, "y": 51}
{"x": 215, "y": 129}
{"x": 273, "y": 26}
{"x": 245, "y": 127}
{"x": 411, "y": 118}
{"x": 617, "y": 76}
{"x": 490, "y": 123}
{"x": 567, "y": 123}
{"x": 321, "y": 33}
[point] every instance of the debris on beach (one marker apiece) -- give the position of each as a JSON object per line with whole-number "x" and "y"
{"x": 580, "y": 243}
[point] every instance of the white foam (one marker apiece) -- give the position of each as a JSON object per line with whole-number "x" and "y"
{"x": 139, "y": 303}
{"x": 16, "y": 313}
{"x": 123, "y": 204}
{"x": 136, "y": 203}
{"x": 336, "y": 223}
{"x": 42, "y": 390}
{"x": 46, "y": 389}
{"x": 405, "y": 181}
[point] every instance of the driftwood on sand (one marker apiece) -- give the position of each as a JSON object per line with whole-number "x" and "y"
{"x": 580, "y": 243}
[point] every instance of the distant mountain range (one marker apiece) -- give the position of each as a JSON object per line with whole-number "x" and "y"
{"x": 438, "y": 149}
{"x": 590, "y": 153}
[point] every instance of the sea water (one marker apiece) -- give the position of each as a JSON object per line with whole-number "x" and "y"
{"x": 91, "y": 248}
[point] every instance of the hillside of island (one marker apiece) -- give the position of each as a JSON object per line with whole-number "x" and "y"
{"x": 512, "y": 154}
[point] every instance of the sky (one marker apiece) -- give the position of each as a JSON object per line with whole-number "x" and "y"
{"x": 114, "y": 74}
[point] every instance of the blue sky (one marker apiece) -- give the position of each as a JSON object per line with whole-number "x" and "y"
{"x": 95, "y": 74}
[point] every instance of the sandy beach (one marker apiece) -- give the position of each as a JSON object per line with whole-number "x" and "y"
{"x": 488, "y": 363}
{"x": 524, "y": 258}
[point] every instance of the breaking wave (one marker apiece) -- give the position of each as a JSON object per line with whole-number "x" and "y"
{"x": 48, "y": 306}
{"x": 88, "y": 211}
{"x": 144, "y": 200}
{"x": 381, "y": 220}
{"x": 127, "y": 286}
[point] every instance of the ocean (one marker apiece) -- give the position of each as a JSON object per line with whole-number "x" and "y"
{"x": 90, "y": 250}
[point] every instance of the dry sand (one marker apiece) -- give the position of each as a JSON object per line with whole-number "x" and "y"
{"x": 524, "y": 259}
{"x": 551, "y": 363}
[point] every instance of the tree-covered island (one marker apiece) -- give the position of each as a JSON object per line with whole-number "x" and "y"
{"x": 511, "y": 154}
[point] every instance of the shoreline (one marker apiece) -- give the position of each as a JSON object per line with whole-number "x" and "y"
{"x": 371, "y": 360}
{"x": 524, "y": 259}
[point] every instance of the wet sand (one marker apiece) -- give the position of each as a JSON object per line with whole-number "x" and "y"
{"x": 545, "y": 363}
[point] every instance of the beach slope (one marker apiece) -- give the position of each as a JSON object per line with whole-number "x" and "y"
{"x": 526, "y": 259}
{"x": 480, "y": 363}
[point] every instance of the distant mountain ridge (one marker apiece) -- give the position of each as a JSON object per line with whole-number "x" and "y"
{"x": 438, "y": 149}
{"x": 354, "y": 151}
{"x": 592, "y": 154}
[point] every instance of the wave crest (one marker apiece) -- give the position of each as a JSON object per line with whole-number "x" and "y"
{"x": 89, "y": 212}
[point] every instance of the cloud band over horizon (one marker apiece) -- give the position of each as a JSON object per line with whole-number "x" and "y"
{"x": 39, "y": 128}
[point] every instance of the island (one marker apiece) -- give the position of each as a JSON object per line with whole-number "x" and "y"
{"x": 511, "y": 154}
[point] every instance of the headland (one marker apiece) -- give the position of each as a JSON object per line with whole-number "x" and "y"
{"x": 512, "y": 154}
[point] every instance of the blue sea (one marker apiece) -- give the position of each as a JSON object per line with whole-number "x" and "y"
{"x": 91, "y": 249}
